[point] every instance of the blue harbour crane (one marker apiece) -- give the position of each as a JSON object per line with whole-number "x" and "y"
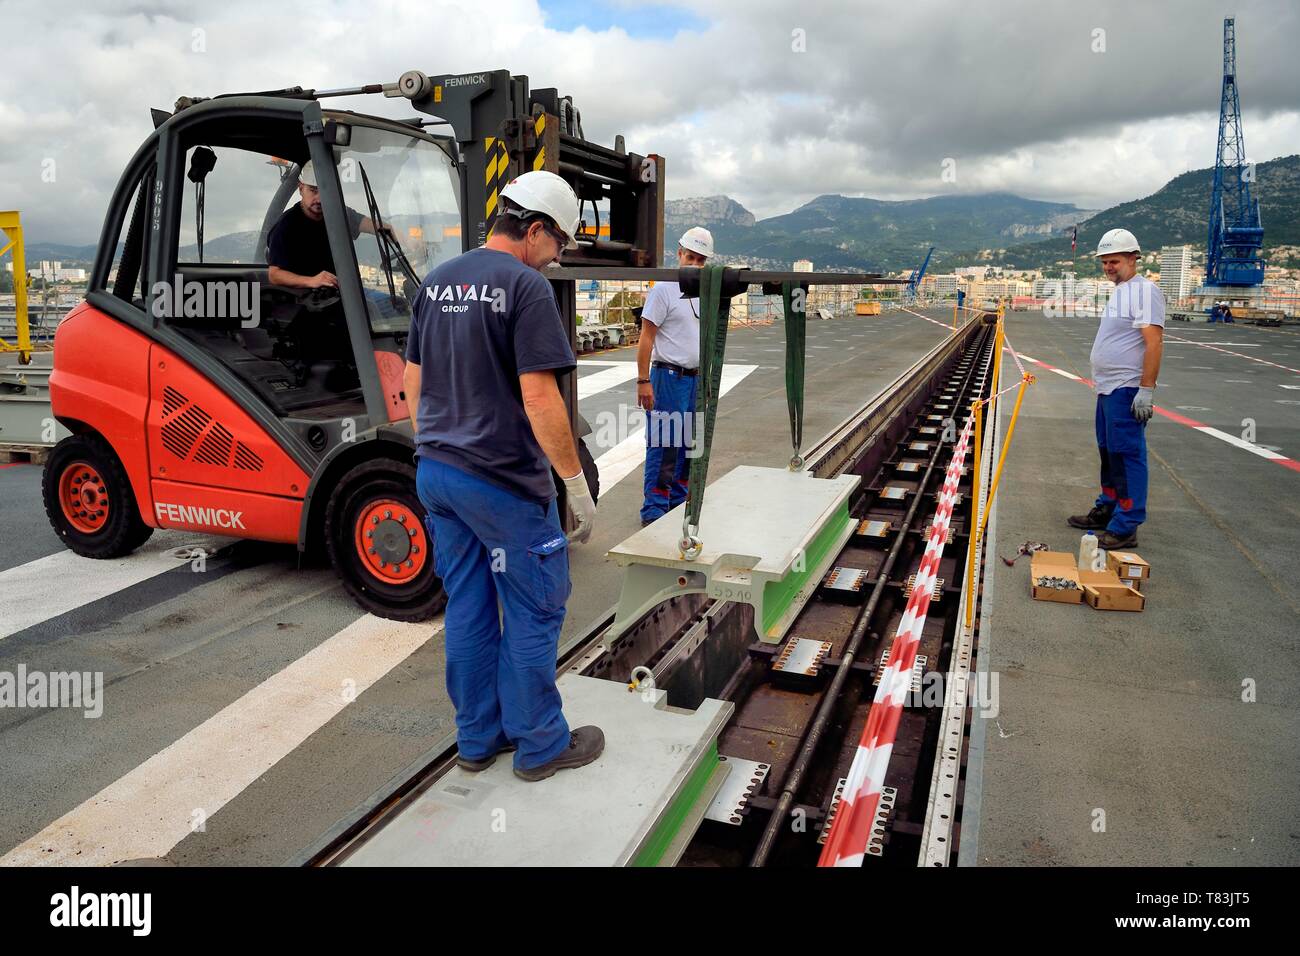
{"x": 1236, "y": 235}
{"x": 914, "y": 280}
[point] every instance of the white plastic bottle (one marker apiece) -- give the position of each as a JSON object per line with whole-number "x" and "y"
{"x": 1087, "y": 548}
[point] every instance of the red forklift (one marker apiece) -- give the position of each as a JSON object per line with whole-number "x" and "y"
{"x": 200, "y": 397}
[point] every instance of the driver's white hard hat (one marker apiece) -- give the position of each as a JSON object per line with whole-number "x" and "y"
{"x": 307, "y": 175}
{"x": 1117, "y": 240}
{"x": 697, "y": 239}
{"x": 540, "y": 191}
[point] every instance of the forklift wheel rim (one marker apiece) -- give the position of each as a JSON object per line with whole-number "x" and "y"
{"x": 376, "y": 514}
{"x": 84, "y": 498}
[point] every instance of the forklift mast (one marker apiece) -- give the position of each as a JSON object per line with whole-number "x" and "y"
{"x": 504, "y": 130}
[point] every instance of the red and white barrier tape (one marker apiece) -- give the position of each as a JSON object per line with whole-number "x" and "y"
{"x": 847, "y": 843}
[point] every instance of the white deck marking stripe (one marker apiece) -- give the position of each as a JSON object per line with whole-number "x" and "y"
{"x": 621, "y": 372}
{"x": 621, "y": 460}
{"x": 1069, "y": 375}
{"x": 146, "y": 812}
{"x": 1239, "y": 442}
{"x": 58, "y": 583}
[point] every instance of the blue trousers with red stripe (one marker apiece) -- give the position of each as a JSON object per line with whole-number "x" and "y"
{"x": 1122, "y": 443}
{"x": 668, "y": 431}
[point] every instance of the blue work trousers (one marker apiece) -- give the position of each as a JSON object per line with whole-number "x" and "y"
{"x": 1122, "y": 443}
{"x": 504, "y": 561}
{"x": 669, "y": 428}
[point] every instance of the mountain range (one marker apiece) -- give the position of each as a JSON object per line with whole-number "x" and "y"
{"x": 839, "y": 232}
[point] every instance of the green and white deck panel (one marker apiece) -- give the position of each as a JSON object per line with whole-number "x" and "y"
{"x": 769, "y": 535}
{"x": 639, "y": 804}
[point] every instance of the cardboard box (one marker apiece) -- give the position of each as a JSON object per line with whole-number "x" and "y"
{"x": 1054, "y": 564}
{"x": 1105, "y": 591}
{"x": 1114, "y": 597}
{"x": 1128, "y": 566}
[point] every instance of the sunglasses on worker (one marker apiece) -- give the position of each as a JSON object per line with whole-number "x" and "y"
{"x": 555, "y": 234}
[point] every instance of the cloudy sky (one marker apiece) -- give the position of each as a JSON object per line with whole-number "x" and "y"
{"x": 772, "y": 102}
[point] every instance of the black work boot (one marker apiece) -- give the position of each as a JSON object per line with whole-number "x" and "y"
{"x": 585, "y": 745}
{"x": 1094, "y": 520}
{"x": 475, "y": 766}
{"x": 1110, "y": 541}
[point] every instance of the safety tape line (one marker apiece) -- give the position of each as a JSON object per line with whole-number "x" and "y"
{"x": 1192, "y": 423}
{"x": 851, "y": 830}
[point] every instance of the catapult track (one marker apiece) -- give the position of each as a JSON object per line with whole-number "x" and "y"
{"x": 804, "y": 728}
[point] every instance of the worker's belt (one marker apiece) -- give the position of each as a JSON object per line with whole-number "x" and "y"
{"x": 688, "y": 372}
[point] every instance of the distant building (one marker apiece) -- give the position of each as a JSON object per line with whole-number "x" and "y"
{"x": 941, "y": 284}
{"x": 1175, "y": 272}
{"x": 803, "y": 265}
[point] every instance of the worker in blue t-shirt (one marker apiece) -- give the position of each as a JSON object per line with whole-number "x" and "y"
{"x": 486, "y": 344}
{"x": 668, "y": 367}
{"x": 1125, "y": 362}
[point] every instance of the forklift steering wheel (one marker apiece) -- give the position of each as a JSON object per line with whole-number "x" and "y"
{"x": 319, "y": 299}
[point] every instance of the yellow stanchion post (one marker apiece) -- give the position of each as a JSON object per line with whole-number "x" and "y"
{"x": 1006, "y": 446}
{"x": 977, "y": 410}
{"x": 11, "y": 226}
{"x": 997, "y": 354}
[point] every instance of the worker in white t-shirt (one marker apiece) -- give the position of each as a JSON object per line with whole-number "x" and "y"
{"x": 668, "y": 365}
{"x": 1125, "y": 362}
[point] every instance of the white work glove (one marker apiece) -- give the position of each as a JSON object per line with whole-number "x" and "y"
{"x": 583, "y": 507}
{"x": 1143, "y": 404}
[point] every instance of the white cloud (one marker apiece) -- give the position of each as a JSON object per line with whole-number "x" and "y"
{"x": 883, "y": 94}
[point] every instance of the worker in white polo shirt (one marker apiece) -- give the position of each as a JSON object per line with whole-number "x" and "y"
{"x": 668, "y": 364}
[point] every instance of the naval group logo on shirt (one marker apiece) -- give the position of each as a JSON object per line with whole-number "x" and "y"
{"x": 456, "y": 298}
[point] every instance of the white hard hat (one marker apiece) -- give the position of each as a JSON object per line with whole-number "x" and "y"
{"x": 697, "y": 239}
{"x": 540, "y": 191}
{"x": 1117, "y": 240}
{"x": 307, "y": 175}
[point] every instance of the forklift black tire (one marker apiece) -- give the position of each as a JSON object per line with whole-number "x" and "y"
{"x": 379, "y": 544}
{"x": 89, "y": 499}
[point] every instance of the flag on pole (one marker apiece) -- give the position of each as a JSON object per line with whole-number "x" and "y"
{"x": 1074, "y": 237}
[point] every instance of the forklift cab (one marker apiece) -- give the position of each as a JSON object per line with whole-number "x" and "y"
{"x": 303, "y": 350}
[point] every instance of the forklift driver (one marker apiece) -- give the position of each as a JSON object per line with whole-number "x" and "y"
{"x": 298, "y": 248}
{"x": 298, "y": 257}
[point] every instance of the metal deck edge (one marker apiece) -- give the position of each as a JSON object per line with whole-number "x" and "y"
{"x": 940, "y": 817}
{"x": 973, "y": 796}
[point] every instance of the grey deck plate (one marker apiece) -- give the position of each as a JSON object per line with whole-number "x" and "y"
{"x": 598, "y": 815}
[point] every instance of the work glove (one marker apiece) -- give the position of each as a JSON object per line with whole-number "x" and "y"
{"x": 1142, "y": 404}
{"x": 583, "y": 507}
